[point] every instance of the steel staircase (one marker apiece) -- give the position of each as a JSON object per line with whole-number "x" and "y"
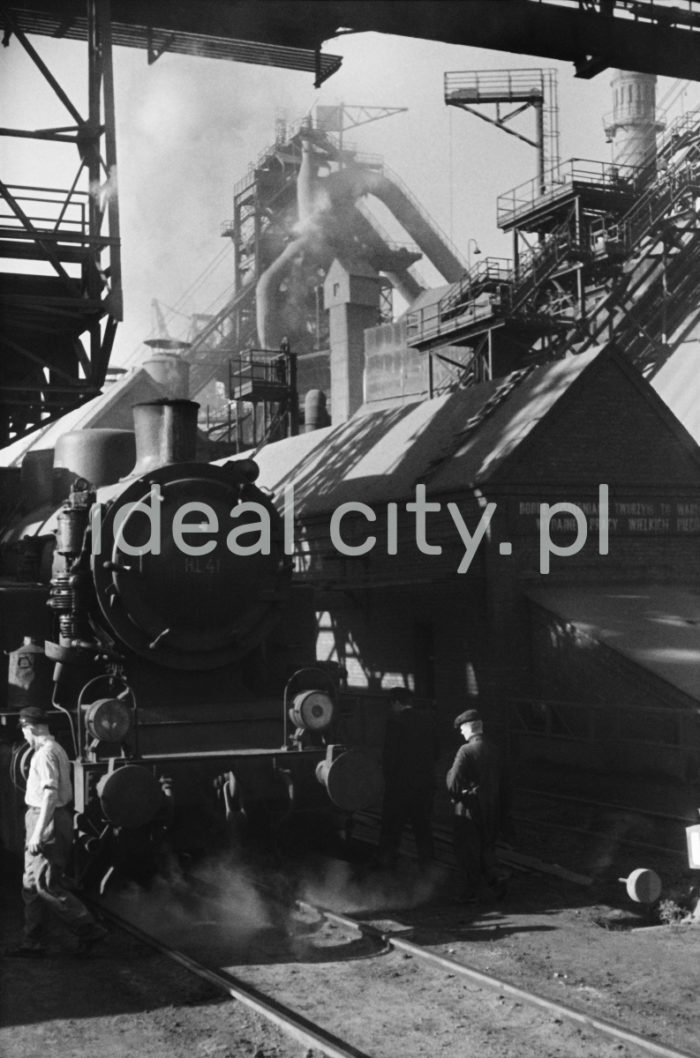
{"x": 658, "y": 284}
{"x": 541, "y": 265}
{"x": 651, "y": 297}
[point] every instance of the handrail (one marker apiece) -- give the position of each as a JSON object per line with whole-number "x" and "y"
{"x": 629, "y": 234}
{"x": 652, "y": 206}
{"x": 448, "y": 313}
{"x": 491, "y": 269}
{"x": 542, "y": 263}
{"x": 292, "y": 130}
{"x": 648, "y": 11}
{"x": 629, "y": 231}
{"x": 558, "y": 180}
{"x": 55, "y": 203}
{"x": 514, "y": 81}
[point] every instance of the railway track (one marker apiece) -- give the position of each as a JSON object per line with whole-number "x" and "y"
{"x": 292, "y": 1022}
{"x": 474, "y": 1003}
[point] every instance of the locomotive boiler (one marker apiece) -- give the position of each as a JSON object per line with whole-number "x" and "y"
{"x": 184, "y": 682}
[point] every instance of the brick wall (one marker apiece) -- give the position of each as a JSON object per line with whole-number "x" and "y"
{"x": 606, "y": 430}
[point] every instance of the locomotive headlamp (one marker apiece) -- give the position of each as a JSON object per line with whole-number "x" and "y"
{"x": 108, "y": 720}
{"x": 312, "y": 710}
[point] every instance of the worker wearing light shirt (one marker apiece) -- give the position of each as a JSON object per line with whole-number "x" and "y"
{"x": 49, "y": 837}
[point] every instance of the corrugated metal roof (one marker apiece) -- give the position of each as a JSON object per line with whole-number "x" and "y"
{"x": 678, "y": 385}
{"x": 488, "y": 443}
{"x": 105, "y": 410}
{"x": 451, "y": 442}
{"x": 656, "y": 626}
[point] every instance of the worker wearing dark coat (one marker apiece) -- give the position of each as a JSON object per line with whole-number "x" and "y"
{"x": 410, "y": 752}
{"x": 478, "y": 786}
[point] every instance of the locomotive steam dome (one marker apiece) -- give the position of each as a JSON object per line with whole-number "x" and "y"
{"x": 188, "y": 562}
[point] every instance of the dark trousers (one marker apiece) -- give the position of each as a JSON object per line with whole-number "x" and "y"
{"x": 475, "y": 855}
{"x": 403, "y": 807}
{"x": 42, "y": 882}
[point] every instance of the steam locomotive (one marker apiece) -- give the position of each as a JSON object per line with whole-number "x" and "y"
{"x": 184, "y": 683}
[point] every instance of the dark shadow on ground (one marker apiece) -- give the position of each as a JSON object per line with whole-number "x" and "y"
{"x": 121, "y": 976}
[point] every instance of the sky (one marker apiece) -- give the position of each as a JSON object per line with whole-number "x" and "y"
{"x": 187, "y": 129}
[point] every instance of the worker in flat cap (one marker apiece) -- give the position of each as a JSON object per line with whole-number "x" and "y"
{"x": 49, "y": 836}
{"x": 479, "y": 788}
{"x": 408, "y": 762}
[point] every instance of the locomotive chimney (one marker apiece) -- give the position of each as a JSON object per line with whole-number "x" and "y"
{"x": 166, "y": 432}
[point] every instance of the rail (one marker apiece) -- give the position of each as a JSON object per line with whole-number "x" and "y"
{"x": 654, "y": 205}
{"x": 649, "y": 209}
{"x": 428, "y": 323}
{"x": 289, "y": 1021}
{"x": 507, "y": 291}
{"x": 460, "y": 304}
{"x": 259, "y": 367}
{"x": 54, "y": 211}
{"x": 485, "y": 273}
{"x": 390, "y": 936}
{"x": 540, "y": 264}
{"x": 631, "y": 312}
{"x": 562, "y": 180}
{"x": 267, "y": 154}
{"x": 657, "y": 12}
{"x": 292, "y": 130}
{"x": 484, "y": 86}
{"x": 685, "y": 127}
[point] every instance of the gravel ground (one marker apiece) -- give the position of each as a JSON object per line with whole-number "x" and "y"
{"x": 546, "y": 937}
{"x": 125, "y": 999}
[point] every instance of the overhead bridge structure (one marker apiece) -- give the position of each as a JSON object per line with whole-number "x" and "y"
{"x": 618, "y": 264}
{"x": 642, "y": 35}
{"x": 60, "y": 284}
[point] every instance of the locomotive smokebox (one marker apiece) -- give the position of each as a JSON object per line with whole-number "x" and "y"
{"x": 166, "y": 432}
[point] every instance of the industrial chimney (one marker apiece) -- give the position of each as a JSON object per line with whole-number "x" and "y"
{"x": 632, "y": 126}
{"x": 167, "y": 368}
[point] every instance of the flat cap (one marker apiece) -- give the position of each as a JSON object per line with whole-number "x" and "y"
{"x": 470, "y": 716}
{"x": 32, "y": 714}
